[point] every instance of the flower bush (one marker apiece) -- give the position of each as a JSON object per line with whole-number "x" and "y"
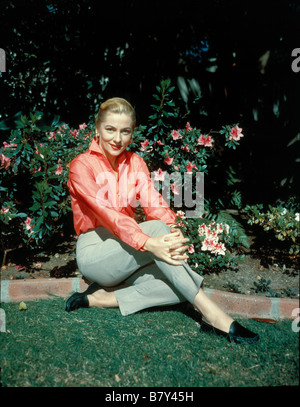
{"x": 281, "y": 222}
{"x": 34, "y": 170}
{"x": 181, "y": 150}
{"x": 35, "y": 202}
{"x": 170, "y": 151}
{"x": 214, "y": 244}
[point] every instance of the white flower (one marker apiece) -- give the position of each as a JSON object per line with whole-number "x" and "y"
{"x": 283, "y": 212}
{"x": 297, "y": 217}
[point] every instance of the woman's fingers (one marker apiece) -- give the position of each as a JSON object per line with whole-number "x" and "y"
{"x": 177, "y": 232}
{"x": 179, "y": 244}
{"x": 175, "y": 240}
{"x": 170, "y": 248}
{"x": 172, "y": 235}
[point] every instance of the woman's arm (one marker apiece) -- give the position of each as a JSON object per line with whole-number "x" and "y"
{"x": 85, "y": 191}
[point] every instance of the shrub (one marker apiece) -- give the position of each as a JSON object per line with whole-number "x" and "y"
{"x": 35, "y": 200}
{"x": 280, "y": 222}
{"x": 34, "y": 164}
{"x": 212, "y": 242}
{"x": 171, "y": 152}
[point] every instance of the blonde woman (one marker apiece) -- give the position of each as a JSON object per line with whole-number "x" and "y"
{"x": 105, "y": 184}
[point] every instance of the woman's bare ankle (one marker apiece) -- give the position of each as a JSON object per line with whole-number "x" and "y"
{"x": 103, "y": 299}
{"x": 212, "y": 313}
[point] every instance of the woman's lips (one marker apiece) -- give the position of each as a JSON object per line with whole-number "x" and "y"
{"x": 114, "y": 147}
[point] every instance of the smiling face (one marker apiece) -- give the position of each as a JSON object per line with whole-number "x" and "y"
{"x": 114, "y": 133}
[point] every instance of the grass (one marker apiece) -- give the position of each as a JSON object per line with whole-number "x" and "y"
{"x": 44, "y": 346}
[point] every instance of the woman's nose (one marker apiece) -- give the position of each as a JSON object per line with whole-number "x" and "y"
{"x": 117, "y": 137}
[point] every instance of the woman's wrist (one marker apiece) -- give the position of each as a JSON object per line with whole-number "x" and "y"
{"x": 146, "y": 245}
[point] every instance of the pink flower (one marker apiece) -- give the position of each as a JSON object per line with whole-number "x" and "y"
{"x": 212, "y": 234}
{"x": 168, "y": 160}
{"x": 188, "y": 127}
{"x": 74, "y": 133}
{"x": 52, "y": 135}
{"x": 205, "y": 141}
{"x": 207, "y": 244}
{"x": 144, "y": 145}
{"x": 28, "y": 225}
{"x": 181, "y": 214}
{"x": 5, "y": 161}
{"x": 159, "y": 175}
{"x": 4, "y": 210}
{"x": 202, "y": 230}
{"x": 227, "y": 228}
{"x": 219, "y": 248}
{"x": 160, "y": 143}
{"x": 219, "y": 228}
{"x": 36, "y": 170}
{"x": 82, "y": 126}
{"x": 185, "y": 148}
{"x": 174, "y": 188}
{"x": 190, "y": 166}
{"x": 37, "y": 151}
{"x": 13, "y": 146}
{"x": 236, "y": 133}
{"x": 191, "y": 249}
{"x": 176, "y": 134}
{"x": 59, "y": 169}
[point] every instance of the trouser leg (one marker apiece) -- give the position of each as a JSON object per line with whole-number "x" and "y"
{"x": 113, "y": 261}
{"x": 183, "y": 278}
{"x": 148, "y": 288}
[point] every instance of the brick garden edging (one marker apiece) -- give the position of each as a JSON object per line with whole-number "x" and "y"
{"x": 232, "y": 303}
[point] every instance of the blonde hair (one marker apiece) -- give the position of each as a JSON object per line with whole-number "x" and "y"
{"x": 115, "y": 105}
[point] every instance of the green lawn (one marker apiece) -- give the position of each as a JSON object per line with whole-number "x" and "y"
{"x": 45, "y": 346}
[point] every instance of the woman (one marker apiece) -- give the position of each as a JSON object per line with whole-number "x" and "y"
{"x": 105, "y": 184}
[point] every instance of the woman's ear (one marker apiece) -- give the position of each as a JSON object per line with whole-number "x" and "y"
{"x": 97, "y": 136}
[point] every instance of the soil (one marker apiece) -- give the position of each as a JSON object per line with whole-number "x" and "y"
{"x": 264, "y": 261}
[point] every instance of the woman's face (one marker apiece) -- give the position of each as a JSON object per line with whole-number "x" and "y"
{"x": 114, "y": 133}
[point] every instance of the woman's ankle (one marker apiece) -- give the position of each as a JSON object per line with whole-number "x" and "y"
{"x": 103, "y": 299}
{"x": 212, "y": 313}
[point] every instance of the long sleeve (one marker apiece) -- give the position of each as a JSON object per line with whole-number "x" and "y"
{"x": 90, "y": 210}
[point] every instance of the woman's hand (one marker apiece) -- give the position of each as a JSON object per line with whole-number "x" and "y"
{"x": 176, "y": 252}
{"x": 169, "y": 247}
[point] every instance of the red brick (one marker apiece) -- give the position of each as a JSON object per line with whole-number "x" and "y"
{"x": 21, "y": 290}
{"x": 286, "y": 307}
{"x": 243, "y": 305}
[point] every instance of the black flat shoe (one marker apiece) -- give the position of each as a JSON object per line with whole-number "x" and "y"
{"x": 80, "y": 300}
{"x": 77, "y": 300}
{"x": 237, "y": 333}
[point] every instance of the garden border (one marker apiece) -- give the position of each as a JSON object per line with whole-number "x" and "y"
{"x": 242, "y": 305}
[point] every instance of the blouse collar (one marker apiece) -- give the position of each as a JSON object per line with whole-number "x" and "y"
{"x": 95, "y": 148}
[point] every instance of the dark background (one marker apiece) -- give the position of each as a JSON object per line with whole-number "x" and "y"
{"x": 65, "y": 56}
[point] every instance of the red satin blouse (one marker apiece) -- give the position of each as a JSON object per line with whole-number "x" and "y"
{"x": 102, "y": 197}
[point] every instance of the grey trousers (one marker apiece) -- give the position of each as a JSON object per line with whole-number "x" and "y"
{"x": 105, "y": 259}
